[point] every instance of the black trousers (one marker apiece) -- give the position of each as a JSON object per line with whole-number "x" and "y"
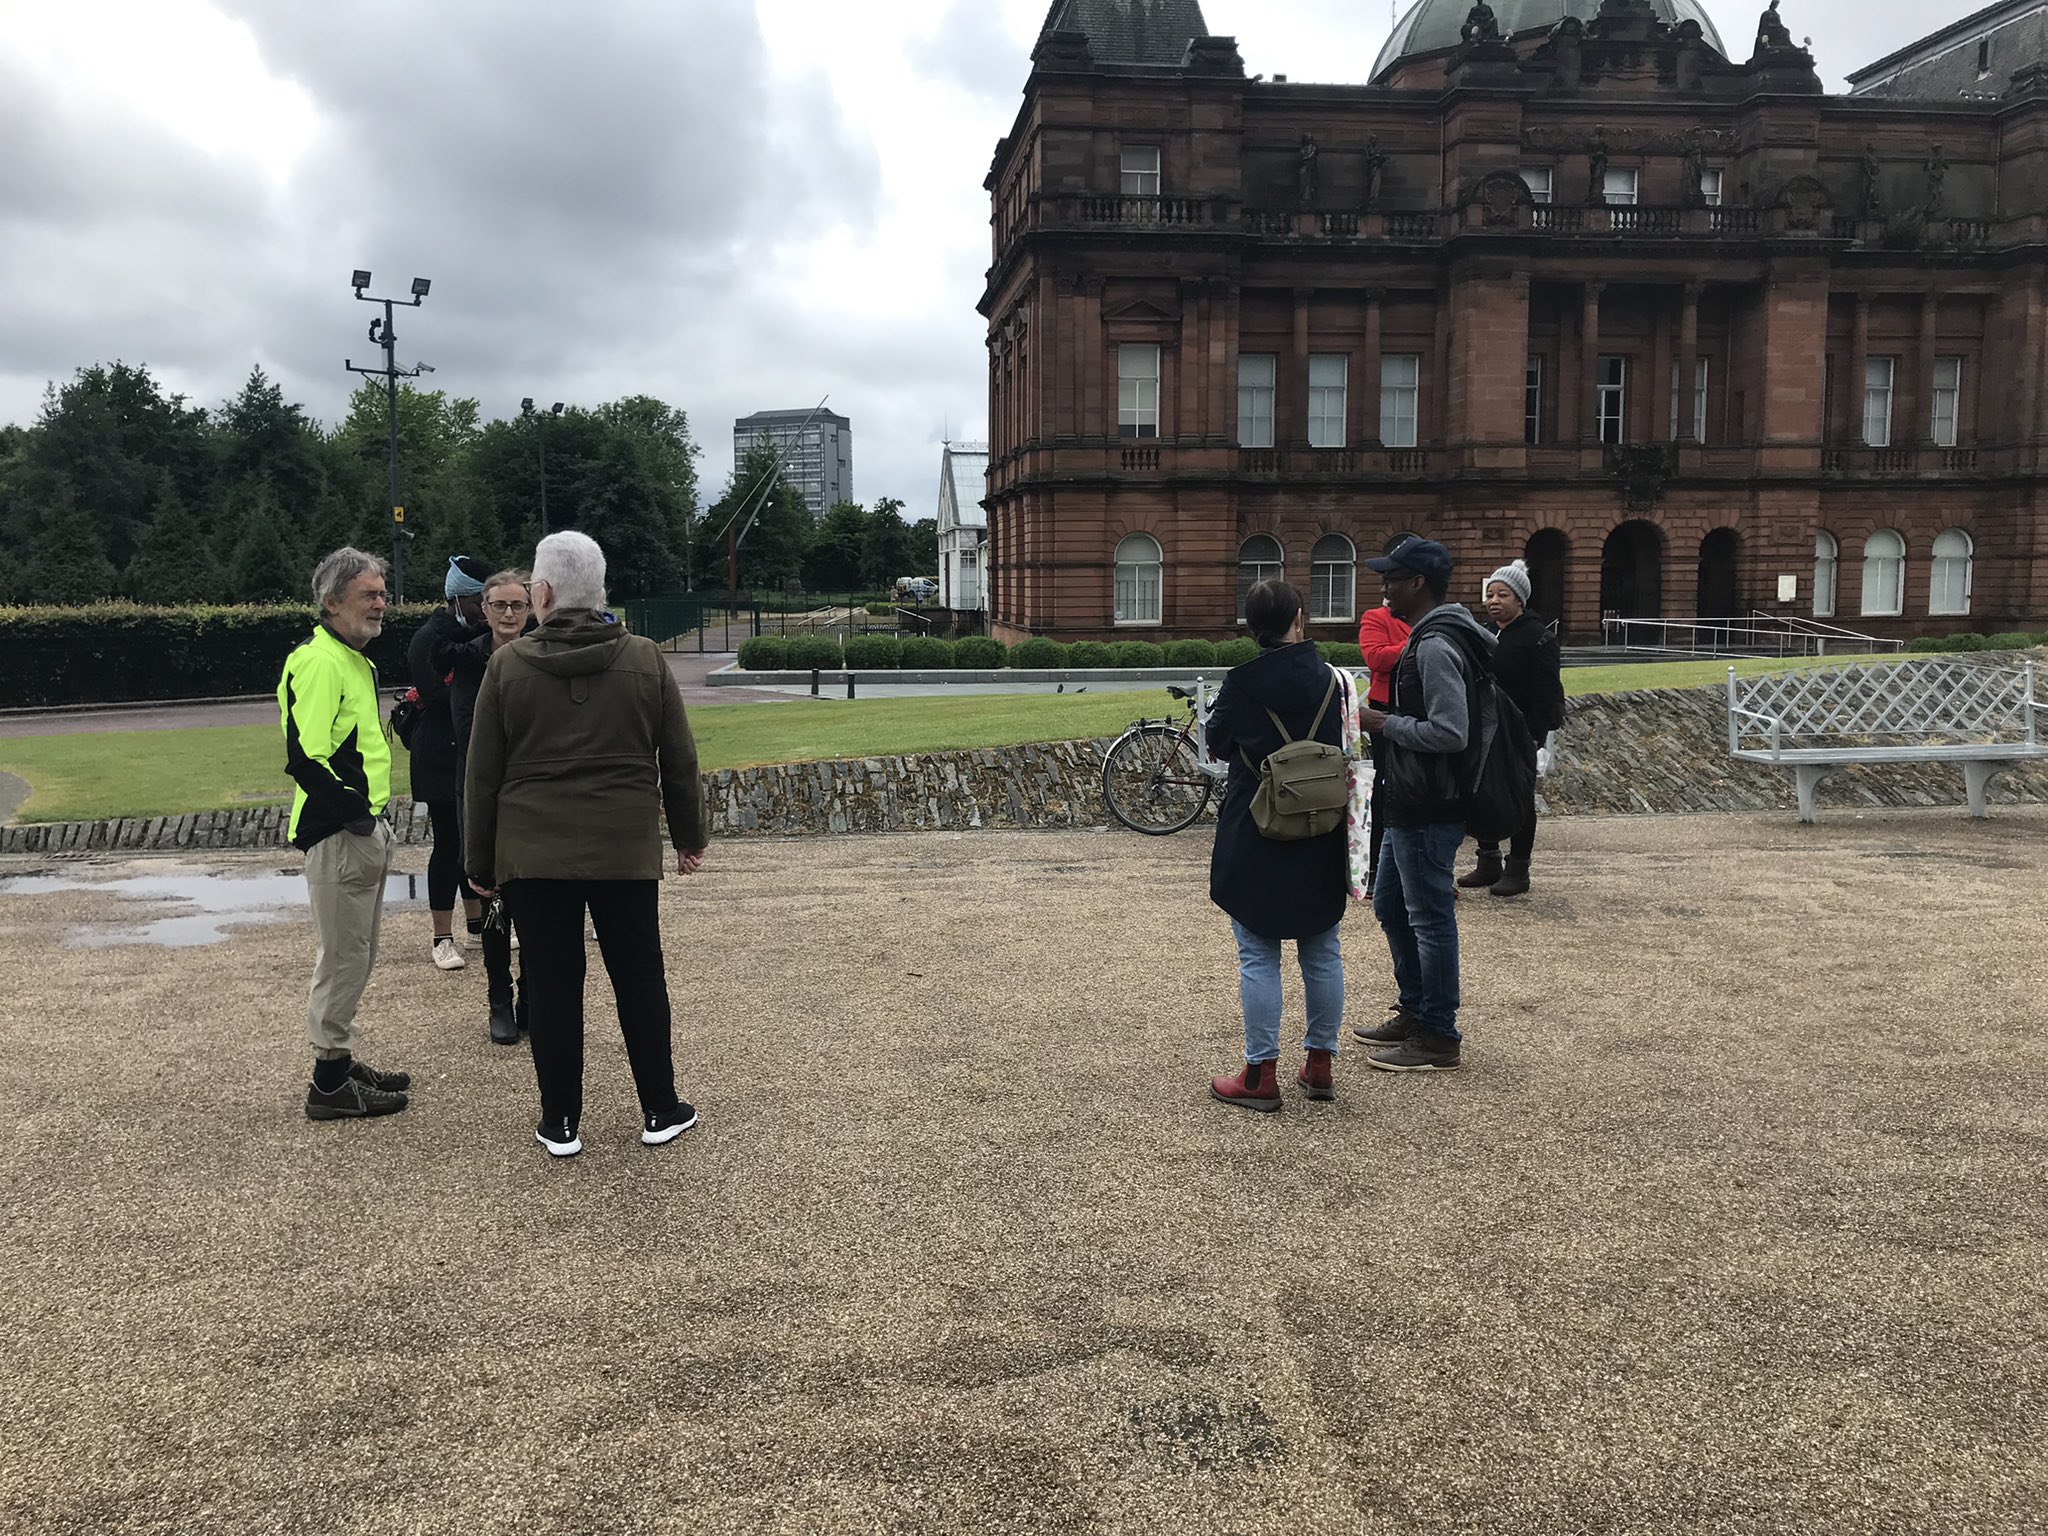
{"x": 1378, "y": 831}
{"x": 627, "y": 915}
{"x": 499, "y": 982}
{"x": 444, "y": 864}
{"x": 1522, "y": 841}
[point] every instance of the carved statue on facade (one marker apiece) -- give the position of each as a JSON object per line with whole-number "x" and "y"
{"x": 1771, "y": 31}
{"x": 1695, "y": 188}
{"x": 1596, "y": 169}
{"x": 1375, "y": 171}
{"x": 1481, "y": 25}
{"x": 1305, "y": 172}
{"x": 1937, "y": 175}
{"x": 1872, "y": 205}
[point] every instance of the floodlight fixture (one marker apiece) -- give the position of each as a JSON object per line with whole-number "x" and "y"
{"x": 555, "y": 409}
{"x": 526, "y": 406}
{"x": 420, "y": 285}
{"x": 359, "y": 280}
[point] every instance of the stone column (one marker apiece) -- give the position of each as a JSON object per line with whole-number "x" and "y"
{"x": 1291, "y": 430}
{"x": 1690, "y": 431}
{"x": 1859, "y": 367}
{"x": 1369, "y": 386}
{"x": 1589, "y": 365}
{"x": 1562, "y": 385}
{"x": 1434, "y": 386}
{"x": 1923, "y": 429}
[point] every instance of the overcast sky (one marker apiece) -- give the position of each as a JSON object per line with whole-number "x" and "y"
{"x": 735, "y": 205}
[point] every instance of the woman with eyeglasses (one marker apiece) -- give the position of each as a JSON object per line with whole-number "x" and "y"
{"x": 508, "y": 612}
{"x": 436, "y": 778}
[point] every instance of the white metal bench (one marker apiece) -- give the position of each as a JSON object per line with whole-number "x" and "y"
{"x": 1816, "y": 720}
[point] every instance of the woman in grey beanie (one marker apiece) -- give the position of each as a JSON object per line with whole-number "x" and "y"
{"x": 1530, "y": 669}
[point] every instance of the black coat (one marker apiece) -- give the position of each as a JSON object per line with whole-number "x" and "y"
{"x": 1278, "y": 890}
{"x": 465, "y": 660}
{"x": 433, "y": 737}
{"x": 1529, "y": 666}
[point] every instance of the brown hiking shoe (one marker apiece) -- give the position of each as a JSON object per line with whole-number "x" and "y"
{"x": 1399, "y": 1027}
{"x": 1420, "y": 1053}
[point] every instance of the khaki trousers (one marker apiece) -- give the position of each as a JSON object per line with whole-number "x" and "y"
{"x": 345, "y": 878}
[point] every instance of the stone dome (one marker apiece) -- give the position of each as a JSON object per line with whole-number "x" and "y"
{"x": 1430, "y": 26}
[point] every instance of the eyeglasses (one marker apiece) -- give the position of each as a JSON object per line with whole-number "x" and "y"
{"x": 508, "y": 608}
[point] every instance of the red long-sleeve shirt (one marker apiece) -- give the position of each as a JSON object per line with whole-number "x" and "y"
{"x": 1381, "y": 637}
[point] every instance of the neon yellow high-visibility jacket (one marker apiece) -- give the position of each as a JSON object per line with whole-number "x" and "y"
{"x": 334, "y": 746}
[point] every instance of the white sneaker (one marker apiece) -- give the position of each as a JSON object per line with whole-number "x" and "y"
{"x": 447, "y": 956}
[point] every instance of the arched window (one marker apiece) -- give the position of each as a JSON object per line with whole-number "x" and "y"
{"x": 1949, "y": 589}
{"x": 1258, "y": 559}
{"x": 1332, "y": 579}
{"x": 1884, "y": 574}
{"x": 1137, "y": 580}
{"x": 1827, "y": 557}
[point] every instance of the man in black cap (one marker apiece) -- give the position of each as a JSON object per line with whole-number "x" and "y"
{"x": 1426, "y": 734}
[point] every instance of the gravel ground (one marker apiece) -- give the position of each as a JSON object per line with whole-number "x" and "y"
{"x": 1735, "y": 1222}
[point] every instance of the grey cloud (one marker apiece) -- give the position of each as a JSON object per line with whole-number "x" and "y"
{"x": 972, "y": 49}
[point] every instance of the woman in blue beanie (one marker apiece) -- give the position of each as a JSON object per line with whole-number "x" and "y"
{"x": 433, "y": 751}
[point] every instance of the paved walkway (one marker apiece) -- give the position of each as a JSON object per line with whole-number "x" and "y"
{"x": 690, "y": 670}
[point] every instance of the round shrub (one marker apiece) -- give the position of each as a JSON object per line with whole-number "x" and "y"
{"x": 927, "y": 653}
{"x": 1191, "y": 653}
{"x": 2012, "y": 640}
{"x": 978, "y": 653}
{"x": 814, "y": 653}
{"x": 874, "y": 652}
{"x": 1038, "y": 654}
{"x": 1140, "y": 653}
{"x": 1340, "y": 653}
{"x": 1235, "y": 653}
{"x": 764, "y": 653}
{"x": 1091, "y": 654}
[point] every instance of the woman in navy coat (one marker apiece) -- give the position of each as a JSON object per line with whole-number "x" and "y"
{"x": 1274, "y": 891}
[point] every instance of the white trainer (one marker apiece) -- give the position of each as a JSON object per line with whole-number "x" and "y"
{"x": 447, "y": 956}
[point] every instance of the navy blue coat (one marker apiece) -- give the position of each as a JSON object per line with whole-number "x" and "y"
{"x": 1278, "y": 890}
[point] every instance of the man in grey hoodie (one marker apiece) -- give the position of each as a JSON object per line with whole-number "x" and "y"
{"x": 1432, "y": 741}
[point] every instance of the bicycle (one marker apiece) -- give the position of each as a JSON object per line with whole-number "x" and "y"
{"x": 1158, "y": 777}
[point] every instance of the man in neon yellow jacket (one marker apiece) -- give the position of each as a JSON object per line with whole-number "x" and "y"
{"x": 335, "y": 751}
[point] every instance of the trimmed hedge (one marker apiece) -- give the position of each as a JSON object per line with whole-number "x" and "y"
{"x": 120, "y": 652}
{"x": 927, "y": 653}
{"x": 878, "y": 653}
{"x": 814, "y": 653}
{"x": 1039, "y": 654}
{"x": 1235, "y": 653}
{"x": 979, "y": 653}
{"x": 1140, "y": 653}
{"x": 1090, "y": 655}
{"x": 1341, "y": 653}
{"x": 2013, "y": 640}
{"x": 1191, "y": 653}
{"x": 765, "y": 653}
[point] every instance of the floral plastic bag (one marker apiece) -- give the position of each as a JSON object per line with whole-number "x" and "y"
{"x": 1358, "y": 774}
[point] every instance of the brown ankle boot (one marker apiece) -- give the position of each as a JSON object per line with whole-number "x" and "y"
{"x": 1485, "y": 872}
{"x": 1315, "y": 1075}
{"x": 1514, "y": 881}
{"x": 1256, "y": 1087}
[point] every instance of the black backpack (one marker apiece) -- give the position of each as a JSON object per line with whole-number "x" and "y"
{"x": 1493, "y": 780}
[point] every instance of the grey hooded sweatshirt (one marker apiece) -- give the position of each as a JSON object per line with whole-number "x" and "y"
{"x": 1431, "y": 714}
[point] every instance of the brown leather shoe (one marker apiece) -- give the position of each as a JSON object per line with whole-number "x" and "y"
{"x": 1315, "y": 1075}
{"x": 1256, "y": 1087}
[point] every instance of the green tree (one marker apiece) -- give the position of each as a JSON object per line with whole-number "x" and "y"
{"x": 833, "y": 563}
{"x": 668, "y": 456}
{"x": 175, "y": 563}
{"x": 620, "y": 506}
{"x": 775, "y": 527}
{"x": 66, "y": 560}
{"x": 924, "y": 546}
{"x": 261, "y": 434}
{"x": 264, "y": 566}
{"x": 885, "y": 551}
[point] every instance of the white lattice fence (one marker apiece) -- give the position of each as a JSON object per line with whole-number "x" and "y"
{"x": 1906, "y": 702}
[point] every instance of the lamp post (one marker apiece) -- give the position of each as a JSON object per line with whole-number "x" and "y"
{"x": 385, "y": 335}
{"x": 552, "y": 413}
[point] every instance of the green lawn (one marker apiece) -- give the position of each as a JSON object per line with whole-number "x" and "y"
{"x": 162, "y": 773}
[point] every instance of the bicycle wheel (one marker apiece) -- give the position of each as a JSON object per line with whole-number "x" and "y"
{"x": 1151, "y": 782}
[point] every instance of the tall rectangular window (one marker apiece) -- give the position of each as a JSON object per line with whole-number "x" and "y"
{"x": 1328, "y": 374}
{"x": 1710, "y": 188}
{"x": 1256, "y": 372}
{"x": 1137, "y": 391}
{"x": 1948, "y": 390}
{"x": 1537, "y": 179}
{"x": 1141, "y": 170}
{"x": 1620, "y": 187}
{"x": 1532, "y": 400}
{"x": 1613, "y": 399}
{"x": 1699, "y": 400}
{"x": 1877, "y": 402}
{"x": 1400, "y": 378}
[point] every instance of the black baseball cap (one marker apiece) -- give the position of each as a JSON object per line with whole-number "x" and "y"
{"x": 1417, "y": 557}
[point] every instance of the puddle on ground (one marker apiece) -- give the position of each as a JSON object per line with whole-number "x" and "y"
{"x": 208, "y": 906}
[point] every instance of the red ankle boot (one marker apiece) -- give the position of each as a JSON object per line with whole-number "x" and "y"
{"x": 1314, "y": 1075}
{"x": 1256, "y": 1087}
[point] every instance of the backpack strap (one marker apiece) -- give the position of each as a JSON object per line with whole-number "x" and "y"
{"x": 1314, "y": 725}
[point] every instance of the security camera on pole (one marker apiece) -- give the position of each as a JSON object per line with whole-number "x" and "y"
{"x": 385, "y": 334}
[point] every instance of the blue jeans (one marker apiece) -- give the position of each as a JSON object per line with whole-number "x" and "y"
{"x": 1417, "y": 905}
{"x": 1258, "y": 984}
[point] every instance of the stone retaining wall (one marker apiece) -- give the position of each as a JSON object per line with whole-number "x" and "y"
{"x": 1625, "y": 753}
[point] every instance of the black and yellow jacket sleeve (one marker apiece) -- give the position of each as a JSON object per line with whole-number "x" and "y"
{"x": 334, "y": 746}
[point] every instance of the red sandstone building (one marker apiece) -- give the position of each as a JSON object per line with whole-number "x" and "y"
{"x": 1692, "y": 336}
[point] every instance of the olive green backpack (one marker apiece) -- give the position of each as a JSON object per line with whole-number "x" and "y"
{"x": 1303, "y": 791}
